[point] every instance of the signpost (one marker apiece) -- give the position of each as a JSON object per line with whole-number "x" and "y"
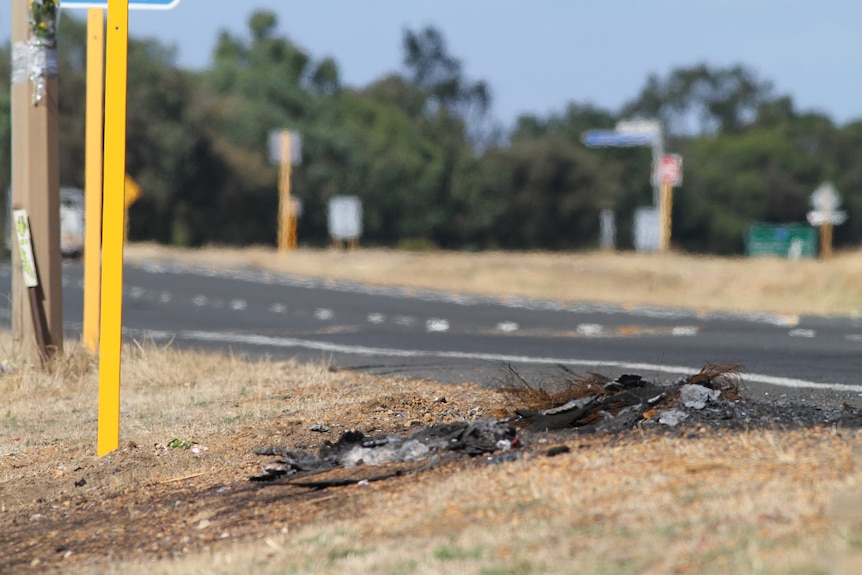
{"x": 667, "y": 173}
{"x": 825, "y": 200}
{"x": 285, "y": 150}
{"x": 630, "y": 133}
{"x": 345, "y": 220}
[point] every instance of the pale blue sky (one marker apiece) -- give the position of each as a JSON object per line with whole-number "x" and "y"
{"x": 538, "y": 55}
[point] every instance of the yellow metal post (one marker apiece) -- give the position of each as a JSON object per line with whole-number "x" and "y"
{"x": 286, "y": 215}
{"x": 113, "y": 225}
{"x": 93, "y": 177}
{"x": 665, "y": 210}
{"x": 826, "y": 240}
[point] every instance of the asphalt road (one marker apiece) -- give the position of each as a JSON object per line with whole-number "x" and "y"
{"x": 391, "y": 331}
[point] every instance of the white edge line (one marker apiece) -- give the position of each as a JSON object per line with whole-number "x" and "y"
{"x": 288, "y": 342}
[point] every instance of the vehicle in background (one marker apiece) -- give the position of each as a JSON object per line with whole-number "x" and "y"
{"x": 71, "y": 222}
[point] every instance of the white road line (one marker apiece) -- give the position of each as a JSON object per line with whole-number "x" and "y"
{"x": 404, "y": 320}
{"x": 238, "y": 305}
{"x": 278, "y": 308}
{"x": 590, "y": 329}
{"x": 802, "y": 333}
{"x": 684, "y": 330}
{"x": 376, "y": 318}
{"x": 289, "y": 342}
{"x": 199, "y": 300}
{"x": 507, "y": 326}
{"x": 437, "y": 325}
{"x": 854, "y": 337}
{"x": 323, "y": 314}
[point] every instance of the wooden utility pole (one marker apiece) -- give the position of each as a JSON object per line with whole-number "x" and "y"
{"x": 36, "y": 173}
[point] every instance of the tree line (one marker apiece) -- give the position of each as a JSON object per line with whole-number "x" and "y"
{"x": 431, "y": 166}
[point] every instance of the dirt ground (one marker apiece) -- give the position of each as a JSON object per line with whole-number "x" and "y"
{"x": 770, "y": 497}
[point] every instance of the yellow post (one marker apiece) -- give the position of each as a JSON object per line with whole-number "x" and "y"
{"x": 826, "y": 240}
{"x": 113, "y": 225}
{"x": 665, "y": 210}
{"x": 93, "y": 177}
{"x": 285, "y": 208}
{"x": 286, "y": 217}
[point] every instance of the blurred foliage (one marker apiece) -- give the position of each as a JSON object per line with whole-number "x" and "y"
{"x": 430, "y": 165}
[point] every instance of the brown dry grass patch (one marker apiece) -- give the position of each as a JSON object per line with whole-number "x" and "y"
{"x": 694, "y": 502}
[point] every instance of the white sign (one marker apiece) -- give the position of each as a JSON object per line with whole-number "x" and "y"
{"x": 275, "y": 147}
{"x": 345, "y": 217}
{"x": 646, "y": 229}
{"x": 668, "y": 172}
{"x": 25, "y": 248}
{"x": 649, "y": 127}
{"x": 133, "y": 4}
{"x": 826, "y": 200}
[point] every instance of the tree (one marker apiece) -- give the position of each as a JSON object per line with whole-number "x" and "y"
{"x": 702, "y": 100}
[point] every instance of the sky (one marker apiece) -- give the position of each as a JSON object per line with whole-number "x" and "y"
{"x": 539, "y": 55}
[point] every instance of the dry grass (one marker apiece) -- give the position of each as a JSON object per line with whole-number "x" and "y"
{"x": 732, "y": 502}
{"x": 625, "y": 278}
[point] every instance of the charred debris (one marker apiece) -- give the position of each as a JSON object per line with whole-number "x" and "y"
{"x": 561, "y": 404}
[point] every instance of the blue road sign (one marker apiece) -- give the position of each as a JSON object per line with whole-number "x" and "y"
{"x": 133, "y": 4}
{"x": 612, "y": 138}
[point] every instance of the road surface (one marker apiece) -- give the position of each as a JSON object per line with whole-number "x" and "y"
{"x": 454, "y": 338}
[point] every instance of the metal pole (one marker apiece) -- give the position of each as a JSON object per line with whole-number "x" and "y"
{"x": 665, "y": 209}
{"x": 113, "y": 225}
{"x": 93, "y": 177}
{"x": 826, "y": 240}
{"x": 286, "y": 221}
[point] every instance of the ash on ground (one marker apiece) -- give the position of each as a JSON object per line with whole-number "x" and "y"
{"x": 568, "y": 402}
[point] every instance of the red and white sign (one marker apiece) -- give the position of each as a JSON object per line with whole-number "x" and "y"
{"x": 668, "y": 172}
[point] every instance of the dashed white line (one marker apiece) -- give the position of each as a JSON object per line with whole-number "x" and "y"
{"x": 323, "y": 314}
{"x": 436, "y": 325}
{"x": 200, "y": 300}
{"x": 376, "y": 318}
{"x": 684, "y": 331}
{"x": 802, "y": 333}
{"x": 404, "y": 320}
{"x": 278, "y": 308}
{"x": 507, "y": 326}
{"x": 238, "y": 305}
{"x": 590, "y": 329}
